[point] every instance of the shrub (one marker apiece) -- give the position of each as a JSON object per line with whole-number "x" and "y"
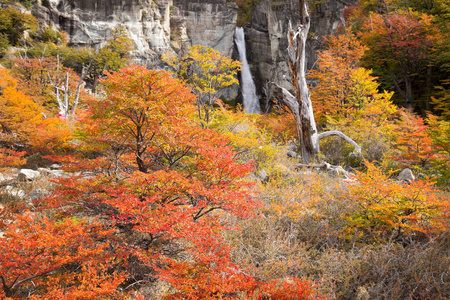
{"x": 380, "y": 209}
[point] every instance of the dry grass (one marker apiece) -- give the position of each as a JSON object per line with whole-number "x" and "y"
{"x": 298, "y": 233}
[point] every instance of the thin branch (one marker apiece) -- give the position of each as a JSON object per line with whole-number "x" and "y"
{"x": 342, "y": 136}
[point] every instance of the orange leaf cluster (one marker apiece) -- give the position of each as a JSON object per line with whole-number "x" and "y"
{"x": 382, "y": 209}
{"x": 50, "y": 259}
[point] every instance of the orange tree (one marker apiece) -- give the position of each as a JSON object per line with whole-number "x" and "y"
{"x": 381, "y": 209}
{"x": 400, "y": 46}
{"x": 413, "y": 146}
{"x": 336, "y": 66}
{"x": 439, "y": 133}
{"x": 23, "y": 121}
{"x": 169, "y": 175}
{"x": 164, "y": 182}
{"x": 42, "y": 258}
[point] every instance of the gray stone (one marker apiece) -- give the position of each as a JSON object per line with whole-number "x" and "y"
{"x": 324, "y": 166}
{"x": 55, "y": 167}
{"x": 51, "y": 173}
{"x": 159, "y": 27}
{"x": 2, "y": 178}
{"x": 27, "y": 174}
{"x": 263, "y": 176}
{"x": 293, "y": 154}
{"x": 44, "y": 171}
{"x": 14, "y": 192}
{"x": 406, "y": 175}
{"x": 57, "y": 173}
{"x": 11, "y": 174}
{"x": 291, "y": 147}
{"x": 268, "y": 31}
{"x": 421, "y": 176}
{"x": 37, "y": 194}
{"x": 338, "y": 172}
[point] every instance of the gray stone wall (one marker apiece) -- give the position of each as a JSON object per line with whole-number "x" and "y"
{"x": 157, "y": 27}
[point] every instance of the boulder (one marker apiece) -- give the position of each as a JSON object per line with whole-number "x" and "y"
{"x": 28, "y": 174}
{"x": 338, "y": 172}
{"x": 421, "y": 176}
{"x": 11, "y": 174}
{"x": 406, "y": 175}
{"x": 37, "y": 194}
{"x": 14, "y": 192}
{"x": 44, "y": 171}
{"x": 291, "y": 153}
{"x": 57, "y": 173}
{"x": 263, "y": 176}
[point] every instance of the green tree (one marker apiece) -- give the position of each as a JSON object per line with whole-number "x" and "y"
{"x": 111, "y": 57}
{"x": 205, "y": 71}
{"x": 439, "y": 133}
{"x": 13, "y": 24}
{"x": 400, "y": 46}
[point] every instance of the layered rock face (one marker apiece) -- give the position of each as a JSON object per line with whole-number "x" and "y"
{"x": 268, "y": 29}
{"x": 157, "y": 27}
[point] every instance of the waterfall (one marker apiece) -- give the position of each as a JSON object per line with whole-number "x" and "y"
{"x": 250, "y": 99}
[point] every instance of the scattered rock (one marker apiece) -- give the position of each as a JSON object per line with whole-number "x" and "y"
{"x": 325, "y": 167}
{"x": 44, "y": 171}
{"x": 307, "y": 172}
{"x": 2, "y": 178}
{"x": 11, "y": 174}
{"x": 421, "y": 176}
{"x": 291, "y": 147}
{"x": 37, "y": 194}
{"x": 27, "y": 174}
{"x": 14, "y": 192}
{"x": 335, "y": 171}
{"x": 338, "y": 172}
{"x": 55, "y": 166}
{"x": 263, "y": 176}
{"x": 291, "y": 153}
{"x": 406, "y": 175}
{"x": 57, "y": 173}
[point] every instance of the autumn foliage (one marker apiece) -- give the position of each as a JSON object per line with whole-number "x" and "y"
{"x": 43, "y": 258}
{"x": 386, "y": 210}
{"x": 205, "y": 71}
{"x": 170, "y": 181}
{"x": 24, "y": 121}
{"x": 400, "y": 43}
{"x": 167, "y": 193}
{"x": 337, "y": 66}
{"x": 414, "y": 146}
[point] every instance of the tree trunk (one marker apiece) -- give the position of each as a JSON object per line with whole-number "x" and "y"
{"x": 409, "y": 96}
{"x": 300, "y": 104}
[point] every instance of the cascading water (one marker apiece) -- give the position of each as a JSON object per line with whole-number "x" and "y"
{"x": 250, "y": 99}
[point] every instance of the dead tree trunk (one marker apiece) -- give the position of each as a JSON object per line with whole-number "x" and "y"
{"x": 66, "y": 108}
{"x": 300, "y": 104}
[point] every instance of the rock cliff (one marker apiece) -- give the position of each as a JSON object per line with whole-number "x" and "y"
{"x": 267, "y": 35}
{"x": 160, "y": 26}
{"x": 155, "y": 26}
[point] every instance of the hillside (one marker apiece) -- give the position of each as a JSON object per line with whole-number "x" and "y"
{"x": 130, "y": 170}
